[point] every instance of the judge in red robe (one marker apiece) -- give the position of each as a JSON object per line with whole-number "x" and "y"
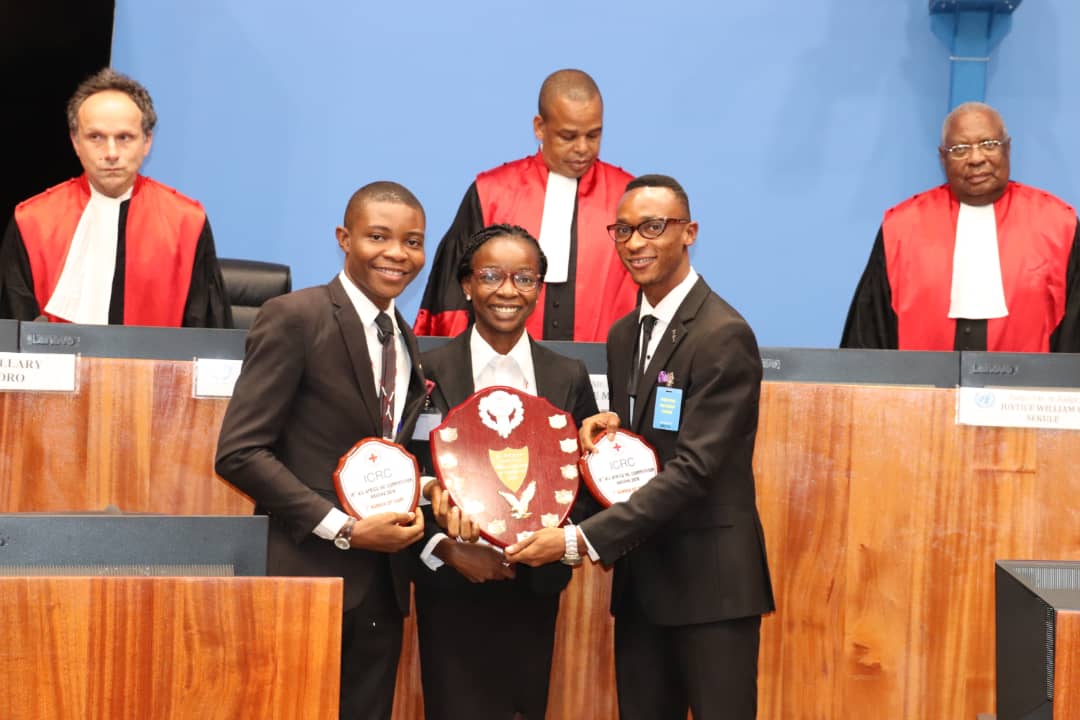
{"x": 112, "y": 246}
{"x": 564, "y": 196}
{"x": 980, "y": 263}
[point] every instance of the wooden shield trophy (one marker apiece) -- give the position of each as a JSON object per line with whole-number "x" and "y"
{"x": 509, "y": 461}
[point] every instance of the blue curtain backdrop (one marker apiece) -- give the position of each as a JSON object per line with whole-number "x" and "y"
{"x": 793, "y": 125}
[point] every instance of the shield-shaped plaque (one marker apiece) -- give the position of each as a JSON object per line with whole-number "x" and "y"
{"x": 619, "y": 466}
{"x": 508, "y": 460}
{"x": 377, "y": 476}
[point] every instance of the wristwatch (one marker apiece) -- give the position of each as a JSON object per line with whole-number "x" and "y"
{"x": 570, "y": 555}
{"x": 343, "y": 540}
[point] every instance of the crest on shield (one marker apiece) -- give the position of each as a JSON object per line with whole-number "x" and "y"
{"x": 504, "y": 454}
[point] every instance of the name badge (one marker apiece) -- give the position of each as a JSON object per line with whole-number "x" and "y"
{"x": 427, "y": 422}
{"x": 668, "y": 408}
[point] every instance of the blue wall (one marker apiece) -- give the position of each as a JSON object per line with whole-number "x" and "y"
{"x": 793, "y": 125}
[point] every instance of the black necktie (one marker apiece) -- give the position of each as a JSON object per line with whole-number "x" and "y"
{"x": 389, "y": 373}
{"x": 648, "y": 322}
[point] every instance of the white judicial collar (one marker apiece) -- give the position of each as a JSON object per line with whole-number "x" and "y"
{"x": 84, "y": 290}
{"x": 977, "y": 291}
{"x": 555, "y": 225}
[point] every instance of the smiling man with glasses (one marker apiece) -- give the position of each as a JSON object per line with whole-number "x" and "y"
{"x": 691, "y": 579}
{"x": 979, "y": 263}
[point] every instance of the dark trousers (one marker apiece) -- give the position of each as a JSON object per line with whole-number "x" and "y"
{"x": 711, "y": 668}
{"x": 489, "y": 659}
{"x": 370, "y": 649}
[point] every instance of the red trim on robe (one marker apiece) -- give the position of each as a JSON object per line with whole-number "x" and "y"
{"x": 603, "y": 289}
{"x": 1035, "y": 235}
{"x": 161, "y": 237}
{"x": 448, "y": 323}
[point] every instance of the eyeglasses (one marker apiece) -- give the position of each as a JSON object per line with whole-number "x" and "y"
{"x": 988, "y": 147}
{"x": 495, "y": 277}
{"x": 648, "y": 229}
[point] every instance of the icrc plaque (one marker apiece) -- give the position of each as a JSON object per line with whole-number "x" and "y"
{"x": 377, "y": 476}
{"x": 619, "y": 466}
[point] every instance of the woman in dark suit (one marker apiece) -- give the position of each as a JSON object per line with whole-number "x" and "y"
{"x": 487, "y": 629}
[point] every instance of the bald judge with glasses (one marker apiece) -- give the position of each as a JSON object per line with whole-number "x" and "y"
{"x": 979, "y": 263}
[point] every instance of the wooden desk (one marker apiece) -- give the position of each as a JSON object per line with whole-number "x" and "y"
{"x": 111, "y": 648}
{"x": 883, "y": 519}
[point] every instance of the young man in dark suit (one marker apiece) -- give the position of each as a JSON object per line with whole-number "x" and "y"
{"x": 691, "y": 579}
{"x": 308, "y": 391}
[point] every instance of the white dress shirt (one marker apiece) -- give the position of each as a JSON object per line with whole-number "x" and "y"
{"x": 331, "y": 525}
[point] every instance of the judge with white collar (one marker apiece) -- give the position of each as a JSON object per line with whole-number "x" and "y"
{"x": 979, "y": 263}
{"x": 563, "y": 195}
{"x": 112, "y": 246}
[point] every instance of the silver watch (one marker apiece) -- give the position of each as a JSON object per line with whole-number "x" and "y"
{"x": 570, "y": 555}
{"x": 343, "y": 540}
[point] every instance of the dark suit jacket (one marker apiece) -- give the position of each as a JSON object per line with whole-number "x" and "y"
{"x": 688, "y": 547}
{"x": 306, "y": 395}
{"x": 564, "y": 382}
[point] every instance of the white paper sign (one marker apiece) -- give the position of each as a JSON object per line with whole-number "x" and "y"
{"x": 37, "y": 371}
{"x": 600, "y": 390}
{"x": 1018, "y": 407}
{"x": 215, "y": 378}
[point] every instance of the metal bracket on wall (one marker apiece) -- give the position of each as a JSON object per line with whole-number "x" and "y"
{"x": 970, "y": 29}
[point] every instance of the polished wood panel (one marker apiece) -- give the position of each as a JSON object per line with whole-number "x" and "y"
{"x": 883, "y": 519}
{"x": 132, "y": 436}
{"x": 179, "y": 648}
{"x": 1067, "y": 665}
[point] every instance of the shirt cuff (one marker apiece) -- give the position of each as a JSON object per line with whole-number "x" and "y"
{"x": 593, "y": 555}
{"x": 427, "y": 555}
{"x": 424, "y": 480}
{"x": 331, "y": 525}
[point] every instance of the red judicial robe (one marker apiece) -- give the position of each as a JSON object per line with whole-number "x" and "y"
{"x": 167, "y": 272}
{"x": 599, "y": 290}
{"x": 903, "y": 298}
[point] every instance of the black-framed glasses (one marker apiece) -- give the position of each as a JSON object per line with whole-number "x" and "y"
{"x": 988, "y": 147}
{"x": 648, "y": 229}
{"x": 494, "y": 278}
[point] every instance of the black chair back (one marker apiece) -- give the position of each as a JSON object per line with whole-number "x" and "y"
{"x": 250, "y": 283}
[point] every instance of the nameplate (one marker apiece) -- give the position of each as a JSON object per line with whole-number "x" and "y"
{"x": 215, "y": 378}
{"x": 1016, "y": 407}
{"x": 37, "y": 372}
{"x": 600, "y": 390}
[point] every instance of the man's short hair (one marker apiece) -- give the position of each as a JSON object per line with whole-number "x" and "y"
{"x": 963, "y": 109}
{"x": 109, "y": 79}
{"x": 664, "y": 181}
{"x": 381, "y": 191}
{"x": 569, "y": 83}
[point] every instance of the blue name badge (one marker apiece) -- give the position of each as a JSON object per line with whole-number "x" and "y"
{"x": 427, "y": 422}
{"x": 668, "y": 408}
